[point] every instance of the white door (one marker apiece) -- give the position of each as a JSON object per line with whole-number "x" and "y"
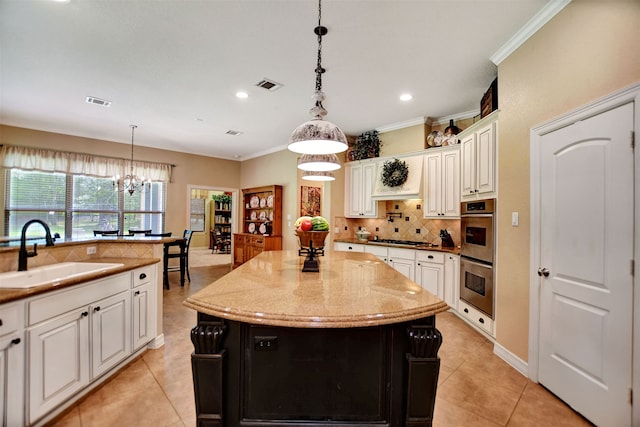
{"x": 586, "y": 250}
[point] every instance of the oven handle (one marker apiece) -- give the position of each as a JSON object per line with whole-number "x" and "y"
{"x": 470, "y": 261}
{"x": 477, "y": 215}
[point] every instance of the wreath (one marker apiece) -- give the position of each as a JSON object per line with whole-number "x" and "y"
{"x": 394, "y": 172}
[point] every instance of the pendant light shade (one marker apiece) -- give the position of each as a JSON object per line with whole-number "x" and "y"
{"x": 318, "y": 136}
{"x": 318, "y": 176}
{"x": 319, "y": 162}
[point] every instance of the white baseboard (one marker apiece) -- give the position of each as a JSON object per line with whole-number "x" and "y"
{"x": 156, "y": 343}
{"x": 513, "y": 360}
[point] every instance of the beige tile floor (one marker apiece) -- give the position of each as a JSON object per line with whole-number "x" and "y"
{"x": 476, "y": 388}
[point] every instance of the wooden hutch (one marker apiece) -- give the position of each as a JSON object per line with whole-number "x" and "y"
{"x": 261, "y": 223}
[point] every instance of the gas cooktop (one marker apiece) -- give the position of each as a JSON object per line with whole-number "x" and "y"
{"x": 401, "y": 242}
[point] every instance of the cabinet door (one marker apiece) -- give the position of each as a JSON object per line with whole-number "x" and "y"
{"x": 404, "y": 266}
{"x": 353, "y": 191}
{"x": 58, "y": 361}
{"x": 430, "y": 277}
{"x": 12, "y": 380}
{"x": 143, "y": 315}
{"x": 343, "y": 246}
{"x": 369, "y": 205}
{"x": 485, "y": 159}
{"x": 450, "y": 180}
{"x": 468, "y": 165}
{"x": 110, "y": 332}
{"x": 380, "y": 251}
{"x": 452, "y": 280}
{"x": 432, "y": 185}
{"x": 238, "y": 250}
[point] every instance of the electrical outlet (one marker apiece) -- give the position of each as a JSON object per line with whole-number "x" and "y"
{"x": 91, "y": 250}
{"x": 336, "y": 230}
{"x": 261, "y": 343}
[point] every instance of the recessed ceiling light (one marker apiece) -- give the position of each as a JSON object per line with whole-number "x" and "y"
{"x": 242, "y": 95}
{"x": 406, "y": 97}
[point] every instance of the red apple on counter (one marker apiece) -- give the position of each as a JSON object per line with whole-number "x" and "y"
{"x": 306, "y": 225}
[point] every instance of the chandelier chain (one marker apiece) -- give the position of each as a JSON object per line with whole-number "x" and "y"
{"x": 319, "y": 32}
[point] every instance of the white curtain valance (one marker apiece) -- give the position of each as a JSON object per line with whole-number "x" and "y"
{"x": 30, "y": 158}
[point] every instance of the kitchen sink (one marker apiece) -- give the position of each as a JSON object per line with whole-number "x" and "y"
{"x": 52, "y": 273}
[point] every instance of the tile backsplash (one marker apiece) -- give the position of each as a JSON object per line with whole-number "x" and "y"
{"x": 409, "y": 225}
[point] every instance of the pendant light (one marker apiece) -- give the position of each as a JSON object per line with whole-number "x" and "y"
{"x": 131, "y": 182}
{"x": 318, "y": 136}
{"x": 319, "y": 162}
{"x": 318, "y": 176}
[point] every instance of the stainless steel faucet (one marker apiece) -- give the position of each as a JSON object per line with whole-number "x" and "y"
{"x": 24, "y": 254}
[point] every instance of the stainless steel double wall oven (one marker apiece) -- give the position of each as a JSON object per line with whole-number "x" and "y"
{"x": 477, "y": 254}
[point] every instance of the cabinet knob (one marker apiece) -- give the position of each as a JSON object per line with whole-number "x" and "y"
{"x": 430, "y": 256}
{"x": 419, "y": 264}
{"x": 84, "y": 314}
{"x": 466, "y": 310}
{"x": 15, "y": 341}
{"x": 96, "y": 309}
{"x": 137, "y": 293}
{"x": 0, "y": 322}
{"x": 142, "y": 276}
{"x": 481, "y": 320}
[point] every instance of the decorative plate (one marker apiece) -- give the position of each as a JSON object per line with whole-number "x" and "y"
{"x": 254, "y": 202}
{"x": 263, "y": 202}
{"x": 263, "y": 215}
{"x": 254, "y": 215}
{"x": 263, "y": 229}
{"x": 252, "y": 228}
{"x": 271, "y": 216}
{"x": 270, "y": 201}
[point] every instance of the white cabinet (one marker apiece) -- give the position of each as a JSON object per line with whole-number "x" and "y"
{"x": 430, "y": 272}
{"x": 143, "y": 306}
{"x": 381, "y": 252}
{"x": 74, "y": 336}
{"x": 442, "y": 183}
{"x": 452, "y": 280}
{"x": 360, "y": 181}
{"x": 348, "y": 247}
{"x": 478, "y": 162}
{"x": 403, "y": 261}
{"x": 475, "y": 317}
{"x": 12, "y": 364}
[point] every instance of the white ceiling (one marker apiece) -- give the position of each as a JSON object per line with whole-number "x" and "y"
{"x": 173, "y": 67}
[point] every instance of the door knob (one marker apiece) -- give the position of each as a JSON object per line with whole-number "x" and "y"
{"x": 543, "y": 272}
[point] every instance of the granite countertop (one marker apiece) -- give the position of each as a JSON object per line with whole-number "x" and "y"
{"x": 12, "y": 294}
{"x": 350, "y": 290}
{"x": 8, "y": 244}
{"x": 426, "y": 247}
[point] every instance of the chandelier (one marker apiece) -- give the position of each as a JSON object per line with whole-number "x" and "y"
{"x": 131, "y": 182}
{"x": 317, "y": 139}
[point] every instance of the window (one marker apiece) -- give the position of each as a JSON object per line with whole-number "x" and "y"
{"x": 76, "y": 205}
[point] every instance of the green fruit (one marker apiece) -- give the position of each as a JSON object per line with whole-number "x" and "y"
{"x": 319, "y": 223}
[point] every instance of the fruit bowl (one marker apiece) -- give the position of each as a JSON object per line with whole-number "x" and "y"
{"x": 317, "y": 238}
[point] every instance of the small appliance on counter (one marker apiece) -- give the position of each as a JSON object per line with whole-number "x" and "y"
{"x": 447, "y": 241}
{"x": 363, "y": 234}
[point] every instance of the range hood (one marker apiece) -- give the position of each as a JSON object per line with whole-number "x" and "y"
{"x": 411, "y": 189}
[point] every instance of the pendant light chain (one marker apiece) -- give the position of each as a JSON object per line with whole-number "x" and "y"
{"x": 320, "y": 31}
{"x": 133, "y": 127}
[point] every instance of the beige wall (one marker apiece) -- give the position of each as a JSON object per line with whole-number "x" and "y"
{"x": 590, "y": 49}
{"x": 190, "y": 169}
{"x": 403, "y": 140}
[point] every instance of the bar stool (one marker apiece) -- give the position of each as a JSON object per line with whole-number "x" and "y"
{"x": 105, "y": 232}
{"x": 182, "y": 253}
{"x": 133, "y": 232}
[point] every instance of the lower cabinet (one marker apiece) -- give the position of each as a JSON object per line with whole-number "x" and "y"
{"x": 349, "y": 247}
{"x": 403, "y": 260}
{"x": 247, "y": 246}
{"x": 76, "y": 335}
{"x": 430, "y": 272}
{"x": 475, "y": 317}
{"x": 12, "y": 347}
{"x": 452, "y": 280}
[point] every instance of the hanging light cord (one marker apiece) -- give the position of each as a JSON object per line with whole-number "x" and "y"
{"x": 132, "y": 129}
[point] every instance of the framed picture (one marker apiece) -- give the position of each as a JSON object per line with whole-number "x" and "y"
{"x": 310, "y": 201}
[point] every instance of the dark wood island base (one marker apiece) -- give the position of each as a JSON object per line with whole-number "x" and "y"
{"x": 257, "y": 375}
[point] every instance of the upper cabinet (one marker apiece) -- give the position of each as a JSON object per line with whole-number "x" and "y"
{"x": 360, "y": 181}
{"x": 441, "y": 194}
{"x": 478, "y": 178}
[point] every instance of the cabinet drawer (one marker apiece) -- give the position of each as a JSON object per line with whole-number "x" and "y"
{"x": 258, "y": 241}
{"x": 401, "y": 253}
{"x": 476, "y": 317}
{"x": 345, "y": 247}
{"x": 10, "y": 318}
{"x": 379, "y": 251}
{"x": 142, "y": 276}
{"x": 430, "y": 256}
{"x": 54, "y": 304}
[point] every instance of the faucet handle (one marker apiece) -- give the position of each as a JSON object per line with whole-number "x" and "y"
{"x": 35, "y": 251}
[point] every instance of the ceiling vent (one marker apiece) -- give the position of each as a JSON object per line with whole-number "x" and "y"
{"x": 98, "y": 101}
{"x": 269, "y": 85}
{"x": 233, "y": 132}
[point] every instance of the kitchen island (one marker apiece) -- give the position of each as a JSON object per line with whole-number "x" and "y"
{"x": 352, "y": 344}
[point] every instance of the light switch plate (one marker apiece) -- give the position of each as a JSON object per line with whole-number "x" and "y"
{"x": 515, "y": 219}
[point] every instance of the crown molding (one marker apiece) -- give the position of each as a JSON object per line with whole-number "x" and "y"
{"x": 401, "y": 125}
{"x": 460, "y": 116}
{"x": 550, "y": 10}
